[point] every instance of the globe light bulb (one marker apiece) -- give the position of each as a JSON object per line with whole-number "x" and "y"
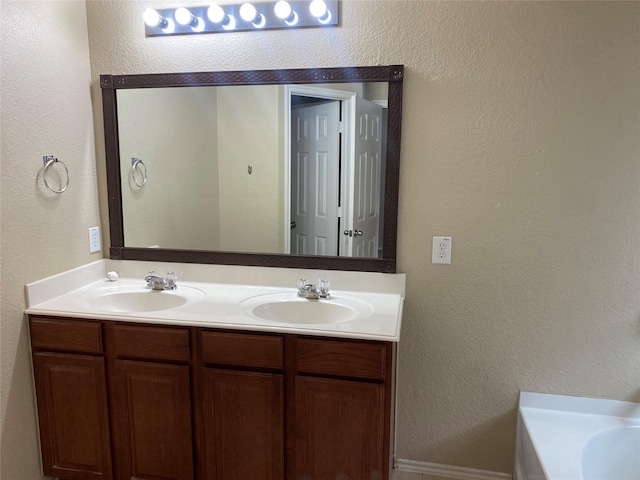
{"x": 153, "y": 18}
{"x": 318, "y": 8}
{"x": 184, "y": 17}
{"x": 216, "y": 14}
{"x": 282, "y": 9}
{"x": 248, "y": 12}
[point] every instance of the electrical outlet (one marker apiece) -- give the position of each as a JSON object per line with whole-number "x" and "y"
{"x": 441, "y": 252}
{"x": 94, "y": 240}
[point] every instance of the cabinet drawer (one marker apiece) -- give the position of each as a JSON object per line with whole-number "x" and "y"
{"x": 243, "y": 350}
{"x": 342, "y": 359}
{"x": 66, "y": 335}
{"x": 152, "y": 343}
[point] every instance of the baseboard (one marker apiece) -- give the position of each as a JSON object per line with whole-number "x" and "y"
{"x": 449, "y": 472}
{"x": 517, "y": 472}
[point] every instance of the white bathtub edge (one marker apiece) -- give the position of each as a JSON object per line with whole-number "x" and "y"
{"x": 553, "y": 429}
{"x": 566, "y": 403}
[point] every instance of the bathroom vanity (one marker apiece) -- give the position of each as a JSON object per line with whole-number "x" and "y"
{"x": 209, "y": 386}
{"x": 232, "y": 376}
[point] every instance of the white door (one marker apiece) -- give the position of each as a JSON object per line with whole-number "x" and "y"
{"x": 365, "y": 196}
{"x": 315, "y": 147}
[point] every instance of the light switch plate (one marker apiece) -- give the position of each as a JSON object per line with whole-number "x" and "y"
{"x": 441, "y": 251}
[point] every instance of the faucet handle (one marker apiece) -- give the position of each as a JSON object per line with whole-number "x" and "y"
{"x": 303, "y": 287}
{"x": 170, "y": 280}
{"x": 323, "y": 288}
{"x": 149, "y": 278}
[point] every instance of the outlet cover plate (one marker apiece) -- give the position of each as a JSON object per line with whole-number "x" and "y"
{"x": 95, "y": 245}
{"x": 441, "y": 251}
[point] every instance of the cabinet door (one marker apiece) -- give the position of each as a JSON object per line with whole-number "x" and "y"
{"x": 339, "y": 430}
{"x": 244, "y": 429}
{"x": 153, "y": 414}
{"x": 74, "y": 424}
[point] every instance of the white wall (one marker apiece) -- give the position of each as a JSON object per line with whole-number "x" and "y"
{"x": 46, "y": 110}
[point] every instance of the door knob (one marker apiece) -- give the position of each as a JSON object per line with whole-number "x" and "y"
{"x": 348, "y": 233}
{"x": 293, "y": 225}
{"x": 357, "y": 233}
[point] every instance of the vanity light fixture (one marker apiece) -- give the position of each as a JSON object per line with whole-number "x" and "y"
{"x": 214, "y": 18}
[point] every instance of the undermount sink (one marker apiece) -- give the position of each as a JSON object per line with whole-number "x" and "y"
{"x": 289, "y": 308}
{"x": 134, "y": 298}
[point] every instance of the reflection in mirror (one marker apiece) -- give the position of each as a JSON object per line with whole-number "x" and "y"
{"x": 258, "y": 162}
{"x": 299, "y": 164}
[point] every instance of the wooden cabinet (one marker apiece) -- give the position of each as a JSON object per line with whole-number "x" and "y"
{"x": 339, "y": 429}
{"x": 187, "y": 403}
{"x": 72, "y": 399}
{"x": 342, "y": 358}
{"x": 342, "y": 412}
{"x": 151, "y": 402}
{"x": 243, "y": 425}
{"x": 153, "y": 406}
{"x": 243, "y": 415}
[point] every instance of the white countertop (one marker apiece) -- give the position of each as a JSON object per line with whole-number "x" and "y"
{"x": 217, "y": 303}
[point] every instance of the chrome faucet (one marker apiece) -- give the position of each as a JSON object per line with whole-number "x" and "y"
{"x": 313, "y": 291}
{"x": 158, "y": 283}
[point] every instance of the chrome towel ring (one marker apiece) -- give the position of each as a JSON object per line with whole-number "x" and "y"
{"x": 48, "y": 161}
{"x": 137, "y": 164}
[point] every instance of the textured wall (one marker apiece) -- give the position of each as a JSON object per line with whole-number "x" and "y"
{"x": 521, "y": 139}
{"x": 522, "y": 142}
{"x": 46, "y": 110}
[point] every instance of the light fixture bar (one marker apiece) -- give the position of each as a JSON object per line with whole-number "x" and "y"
{"x": 215, "y": 18}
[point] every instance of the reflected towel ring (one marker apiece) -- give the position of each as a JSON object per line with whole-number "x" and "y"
{"x": 136, "y": 163}
{"x": 49, "y": 160}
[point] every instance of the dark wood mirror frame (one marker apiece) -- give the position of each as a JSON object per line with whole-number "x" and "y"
{"x": 393, "y": 74}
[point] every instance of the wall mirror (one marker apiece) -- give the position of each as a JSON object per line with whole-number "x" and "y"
{"x": 290, "y": 168}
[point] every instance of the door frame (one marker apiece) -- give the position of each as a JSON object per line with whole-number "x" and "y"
{"x": 347, "y": 144}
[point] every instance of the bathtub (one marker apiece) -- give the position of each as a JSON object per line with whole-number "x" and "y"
{"x": 574, "y": 438}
